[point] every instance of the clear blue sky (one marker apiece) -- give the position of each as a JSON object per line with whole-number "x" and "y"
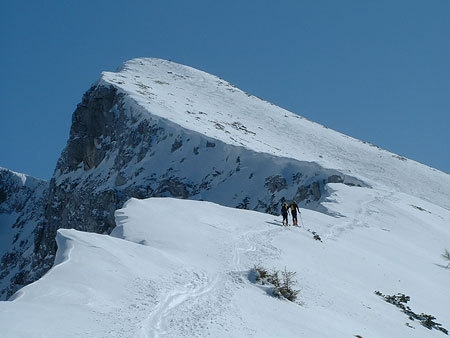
{"x": 375, "y": 70}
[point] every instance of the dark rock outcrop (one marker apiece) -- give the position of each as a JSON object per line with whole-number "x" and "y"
{"x": 22, "y": 200}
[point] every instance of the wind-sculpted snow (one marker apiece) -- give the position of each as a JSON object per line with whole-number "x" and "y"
{"x": 180, "y": 268}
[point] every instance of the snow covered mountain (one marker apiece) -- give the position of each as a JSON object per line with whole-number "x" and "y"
{"x": 159, "y": 129}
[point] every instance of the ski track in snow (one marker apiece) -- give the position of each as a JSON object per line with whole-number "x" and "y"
{"x": 185, "y": 310}
{"x": 250, "y": 242}
{"x": 200, "y": 284}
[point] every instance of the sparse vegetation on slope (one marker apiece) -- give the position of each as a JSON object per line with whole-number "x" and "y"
{"x": 282, "y": 282}
{"x": 400, "y": 301}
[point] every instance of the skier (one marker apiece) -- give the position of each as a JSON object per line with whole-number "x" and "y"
{"x": 294, "y": 209}
{"x": 284, "y": 213}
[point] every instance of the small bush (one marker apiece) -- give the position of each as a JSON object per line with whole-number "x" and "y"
{"x": 261, "y": 273}
{"x": 286, "y": 288}
{"x": 274, "y": 279}
{"x": 282, "y": 286}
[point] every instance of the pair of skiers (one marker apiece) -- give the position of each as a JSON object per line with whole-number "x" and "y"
{"x": 293, "y": 208}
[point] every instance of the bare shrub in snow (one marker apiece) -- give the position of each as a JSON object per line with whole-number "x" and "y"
{"x": 425, "y": 320}
{"x": 286, "y": 288}
{"x": 282, "y": 282}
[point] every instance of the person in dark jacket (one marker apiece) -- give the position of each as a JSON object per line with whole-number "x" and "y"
{"x": 284, "y": 213}
{"x": 294, "y": 208}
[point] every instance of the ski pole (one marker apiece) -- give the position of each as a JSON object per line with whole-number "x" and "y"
{"x": 301, "y": 219}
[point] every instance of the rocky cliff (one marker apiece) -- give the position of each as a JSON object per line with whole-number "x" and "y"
{"x": 22, "y": 200}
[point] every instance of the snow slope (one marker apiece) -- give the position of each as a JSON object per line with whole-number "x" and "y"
{"x": 204, "y": 103}
{"x": 179, "y": 268}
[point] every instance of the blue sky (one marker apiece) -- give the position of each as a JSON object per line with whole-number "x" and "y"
{"x": 375, "y": 70}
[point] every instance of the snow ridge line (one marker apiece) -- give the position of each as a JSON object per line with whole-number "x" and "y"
{"x": 65, "y": 243}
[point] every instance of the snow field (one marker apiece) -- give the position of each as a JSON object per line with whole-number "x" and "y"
{"x": 178, "y": 268}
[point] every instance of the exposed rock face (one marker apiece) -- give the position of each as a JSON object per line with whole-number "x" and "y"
{"x": 22, "y": 200}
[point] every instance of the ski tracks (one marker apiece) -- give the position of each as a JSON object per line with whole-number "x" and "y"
{"x": 194, "y": 301}
{"x": 254, "y": 245}
{"x": 162, "y": 320}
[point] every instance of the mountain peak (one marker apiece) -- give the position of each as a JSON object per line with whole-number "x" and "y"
{"x": 211, "y": 106}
